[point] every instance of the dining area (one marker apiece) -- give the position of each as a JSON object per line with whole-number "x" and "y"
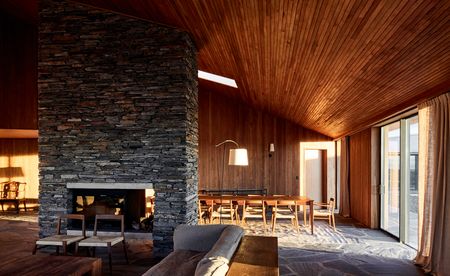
{"x": 240, "y": 206}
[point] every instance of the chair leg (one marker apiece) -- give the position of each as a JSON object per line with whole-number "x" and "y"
{"x": 76, "y": 249}
{"x": 274, "y": 221}
{"x": 64, "y": 248}
{"x": 125, "y": 251}
{"x": 109, "y": 258}
{"x": 57, "y": 250}
{"x": 35, "y": 249}
{"x": 334, "y": 222}
{"x": 304, "y": 216}
{"x": 25, "y": 205}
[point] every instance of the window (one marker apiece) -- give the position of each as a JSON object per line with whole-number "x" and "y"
{"x": 399, "y": 174}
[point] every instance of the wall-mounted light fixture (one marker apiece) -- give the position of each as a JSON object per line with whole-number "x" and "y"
{"x": 271, "y": 149}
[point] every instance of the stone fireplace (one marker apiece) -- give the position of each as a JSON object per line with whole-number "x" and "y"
{"x": 128, "y": 202}
{"x": 117, "y": 109}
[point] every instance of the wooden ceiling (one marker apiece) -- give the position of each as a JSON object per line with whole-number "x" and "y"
{"x": 332, "y": 66}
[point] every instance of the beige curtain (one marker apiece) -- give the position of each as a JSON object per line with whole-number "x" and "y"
{"x": 344, "y": 207}
{"x": 434, "y": 185}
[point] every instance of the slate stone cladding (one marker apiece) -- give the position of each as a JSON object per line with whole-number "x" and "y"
{"x": 117, "y": 103}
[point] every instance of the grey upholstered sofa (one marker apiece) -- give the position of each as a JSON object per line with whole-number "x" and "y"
{"x": 200, "y": 250}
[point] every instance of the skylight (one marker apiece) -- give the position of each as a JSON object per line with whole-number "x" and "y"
{"x": 217, "y": 78}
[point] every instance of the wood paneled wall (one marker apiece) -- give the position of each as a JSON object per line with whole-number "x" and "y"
{"x": 18, "y": 73}
{"x": 23, "y": 154}
{"x": 222, "y": 118}
{"x": 360, "y": 176}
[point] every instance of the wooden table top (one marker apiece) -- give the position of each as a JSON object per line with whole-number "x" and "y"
{"x": 256, "y": 255}
{"x": 301, "y": 199}
{"x": 50, "y": 265}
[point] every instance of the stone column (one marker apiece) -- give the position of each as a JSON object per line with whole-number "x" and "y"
{"x": 117, "y": 104}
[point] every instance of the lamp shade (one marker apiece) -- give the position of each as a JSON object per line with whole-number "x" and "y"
{"x": 238, "y": 157}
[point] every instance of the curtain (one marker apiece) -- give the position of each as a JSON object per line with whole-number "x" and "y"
{"x": 344, "y": 207}
{"x": 434, "y": 186}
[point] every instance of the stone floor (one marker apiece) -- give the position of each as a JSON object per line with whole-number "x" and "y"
{"x": 351, "y": 250}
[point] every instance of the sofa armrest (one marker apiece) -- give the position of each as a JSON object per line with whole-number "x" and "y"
{"x": 197, "y": 237}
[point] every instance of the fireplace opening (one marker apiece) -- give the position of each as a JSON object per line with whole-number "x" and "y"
{"x": 135, "y": 205}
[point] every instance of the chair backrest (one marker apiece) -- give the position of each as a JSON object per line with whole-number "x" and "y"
{"x": 74, "y": 217}
{"x": 110, "y": 217}
{"x": 331, "y": 205}
{"x": 13, "y": 190}
{"x": 254, "y": 201}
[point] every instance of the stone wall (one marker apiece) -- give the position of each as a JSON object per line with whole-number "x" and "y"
{"x": 117, "y": 104}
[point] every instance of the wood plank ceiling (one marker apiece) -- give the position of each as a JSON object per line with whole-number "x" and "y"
{"x": 331, "y": 66}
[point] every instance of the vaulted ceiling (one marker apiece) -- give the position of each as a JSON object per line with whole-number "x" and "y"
{"x": 333, "y": 66}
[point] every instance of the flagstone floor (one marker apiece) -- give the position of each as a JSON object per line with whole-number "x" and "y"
{"x": 350, "y": 250}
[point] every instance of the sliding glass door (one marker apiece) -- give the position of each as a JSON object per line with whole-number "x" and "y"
{"x": 411, "y": 193}
{"x": 399, "y": 167}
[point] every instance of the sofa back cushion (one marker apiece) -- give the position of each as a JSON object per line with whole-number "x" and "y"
{"x": 197, "y": 237}
{"x": 215, "y": 262}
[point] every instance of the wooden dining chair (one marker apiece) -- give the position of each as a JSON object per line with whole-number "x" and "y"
{"x": 326, "y": 212}
{"x": 105, "y": 241}
{"x": 204, "y": 211}
{"x": 284, "y": 209}
{"x": 13, "y": 192}
{"x": 253, "y": 208}
{"x": 223, "y": 209}
{"x": 61, "y": 240}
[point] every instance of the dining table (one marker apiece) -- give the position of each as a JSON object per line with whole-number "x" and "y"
{"x": 300, "y": 200}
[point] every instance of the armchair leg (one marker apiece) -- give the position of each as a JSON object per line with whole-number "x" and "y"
{"x": 334, "y": 222}
{"x": 109, "y": 258}
{"x": 304, "y": 215}
{"x": 274, "y": 222}
{"x": 64, "y": 248}
{"x": 57, "y": 250}
{"x": 34, "y": 249}
{"x": 125, "y": 250}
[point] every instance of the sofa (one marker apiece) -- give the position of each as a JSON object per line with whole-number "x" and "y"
{"x": 200, "y": 250}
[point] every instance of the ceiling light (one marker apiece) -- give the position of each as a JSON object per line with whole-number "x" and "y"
{"x": 217, "y": 78}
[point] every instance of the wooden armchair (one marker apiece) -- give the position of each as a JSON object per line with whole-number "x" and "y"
{"x": 223, "y": 209}
{"x": 327, "y": 213}
{"x": 105, "y": 241}
{"x": 284, "y": 209}
{"x": 253, "y": 209}
{"x": 13, "y": 192}
{"x": 61, "y": 240}
{"x": 204, "y": 211}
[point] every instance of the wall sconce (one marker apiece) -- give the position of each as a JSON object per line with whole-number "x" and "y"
{"x": 271, "y": 149}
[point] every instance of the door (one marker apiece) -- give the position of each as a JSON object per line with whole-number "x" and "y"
{"x": 313, "y": 174}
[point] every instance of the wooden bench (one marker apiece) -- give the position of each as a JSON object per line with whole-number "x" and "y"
{"x": 13, "y": 192}
{"x": 256, "y": 255}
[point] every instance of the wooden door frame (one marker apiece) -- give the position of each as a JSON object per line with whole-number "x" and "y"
{"x": 329, "y": 147}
